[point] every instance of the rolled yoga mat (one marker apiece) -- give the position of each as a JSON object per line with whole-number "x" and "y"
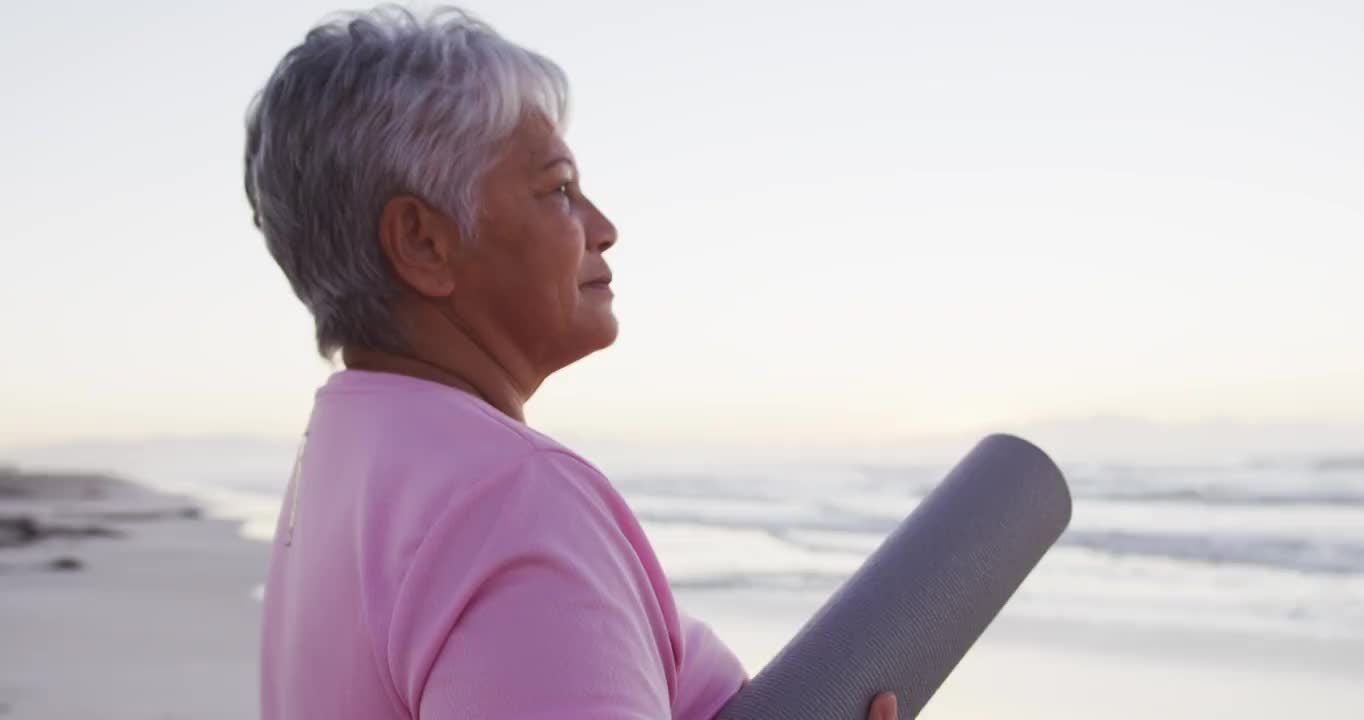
{"x": 910, "y": 613}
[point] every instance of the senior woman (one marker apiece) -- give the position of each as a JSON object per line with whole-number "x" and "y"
{"x": 435, "y": 556}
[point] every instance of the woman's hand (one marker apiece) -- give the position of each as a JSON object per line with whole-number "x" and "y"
{"x": 883, "y": 707}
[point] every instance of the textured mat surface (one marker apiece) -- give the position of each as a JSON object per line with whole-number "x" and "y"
{"x": 910, "y": 613}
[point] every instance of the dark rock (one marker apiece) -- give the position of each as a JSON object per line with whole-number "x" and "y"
{"x": 66, "y": 563}
{"x": 18, "y": 530}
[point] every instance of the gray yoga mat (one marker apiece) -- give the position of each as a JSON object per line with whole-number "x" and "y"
{"x": 908, "y": 616}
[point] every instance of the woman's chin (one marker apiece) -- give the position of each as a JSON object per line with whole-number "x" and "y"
{"x": 608, "y": 329}
{"x": 595, "y": 330}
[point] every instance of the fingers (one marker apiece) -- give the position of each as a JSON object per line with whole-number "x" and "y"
{"x": 884, "y": 707}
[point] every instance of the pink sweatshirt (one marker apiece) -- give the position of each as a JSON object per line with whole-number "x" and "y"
{"x": 436, "y": 559}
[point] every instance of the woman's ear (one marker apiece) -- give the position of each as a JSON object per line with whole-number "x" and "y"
{"x": 420, "y": 244}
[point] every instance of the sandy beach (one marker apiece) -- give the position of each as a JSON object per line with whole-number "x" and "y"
{"x": 1054, "y": 669}
{"x": 158, "y": 621}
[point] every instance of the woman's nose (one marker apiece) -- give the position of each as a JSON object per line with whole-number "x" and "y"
{"x": 601, "y": 232}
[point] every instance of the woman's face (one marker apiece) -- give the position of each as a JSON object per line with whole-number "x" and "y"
{"x": 535, "y": 277}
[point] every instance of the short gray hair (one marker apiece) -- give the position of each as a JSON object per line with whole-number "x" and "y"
{"x": 369, "y": 106}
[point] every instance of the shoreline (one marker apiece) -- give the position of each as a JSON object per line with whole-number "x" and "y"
{"x": 156, "y": 617}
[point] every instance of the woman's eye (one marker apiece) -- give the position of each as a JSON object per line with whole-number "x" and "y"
{"x": 565, "y": 193}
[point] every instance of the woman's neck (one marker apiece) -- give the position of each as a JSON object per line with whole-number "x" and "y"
{"x": 464, "y": 368}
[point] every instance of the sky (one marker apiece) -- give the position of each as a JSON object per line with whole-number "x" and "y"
{"x": 842, "y": 224}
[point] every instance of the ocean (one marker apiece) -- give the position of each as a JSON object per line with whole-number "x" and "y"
{"x": 1256, "y": 546}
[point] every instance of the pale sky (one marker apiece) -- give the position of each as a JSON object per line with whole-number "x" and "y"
{"x": 844, "y": 222}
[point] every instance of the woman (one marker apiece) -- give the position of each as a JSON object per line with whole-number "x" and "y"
{"x": 435, "y": 556}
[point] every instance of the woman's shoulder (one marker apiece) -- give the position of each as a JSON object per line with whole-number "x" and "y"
{"x": 547, "y": 508}
{"x": 549, "y": 492}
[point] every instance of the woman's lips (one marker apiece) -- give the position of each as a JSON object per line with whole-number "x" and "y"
{"x": 598, "y": 285}
{"x": 602, "y": 281}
